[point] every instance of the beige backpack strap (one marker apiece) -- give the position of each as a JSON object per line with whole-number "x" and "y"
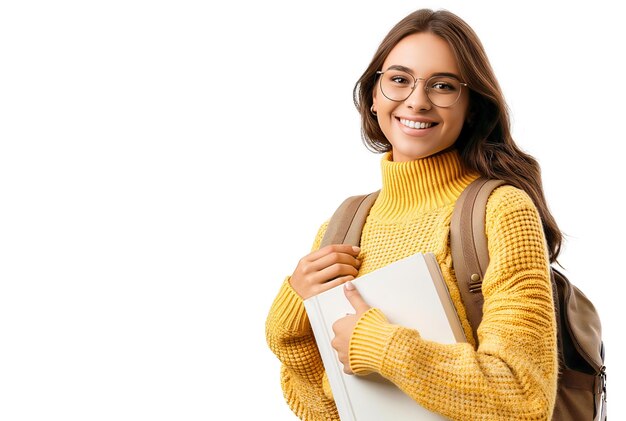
{"x": 347, "y": 222}
{"x": 468, "y": 243}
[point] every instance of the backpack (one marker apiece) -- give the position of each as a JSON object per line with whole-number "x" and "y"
{"x": 581, "y": 390}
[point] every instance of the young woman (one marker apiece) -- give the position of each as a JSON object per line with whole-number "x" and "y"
{"x": 430, "y": 101}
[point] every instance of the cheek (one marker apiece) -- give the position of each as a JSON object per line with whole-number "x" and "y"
{"x": 457, "y": 117}
{"x": 453, "y": 124}
{"x": 457, "y": 125}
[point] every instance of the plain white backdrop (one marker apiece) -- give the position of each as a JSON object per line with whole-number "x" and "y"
{"x": 164, "y": 165}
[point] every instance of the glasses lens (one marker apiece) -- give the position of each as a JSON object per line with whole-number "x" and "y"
{"x": 396, "y": 85}
{"x": 443, "y": 91}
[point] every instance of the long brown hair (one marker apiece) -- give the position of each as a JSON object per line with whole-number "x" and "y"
{"x": 485, "y": 143}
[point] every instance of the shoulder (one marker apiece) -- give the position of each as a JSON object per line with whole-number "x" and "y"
{"x": 320, "y": 235}
{"x": 506, "y": 199}
{"x": 511, "y": 210}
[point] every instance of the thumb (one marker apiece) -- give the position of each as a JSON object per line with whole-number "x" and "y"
{"x": 354, "y": 297}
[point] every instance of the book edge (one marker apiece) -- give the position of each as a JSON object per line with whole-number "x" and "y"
{"x": 444, "y": 297}
{"x": 318, "y": 324}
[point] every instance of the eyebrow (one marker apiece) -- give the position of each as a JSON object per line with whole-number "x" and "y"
{"x": 407, "y": 70}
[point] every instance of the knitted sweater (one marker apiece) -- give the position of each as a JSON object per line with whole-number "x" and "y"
{"x": 510, "y": 376}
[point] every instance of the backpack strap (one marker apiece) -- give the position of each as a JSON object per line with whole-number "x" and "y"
{"x": 468, "y": 244}
{"x": 347, "y": 222}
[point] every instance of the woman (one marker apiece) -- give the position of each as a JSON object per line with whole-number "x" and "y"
{"x": 430, "y": 101}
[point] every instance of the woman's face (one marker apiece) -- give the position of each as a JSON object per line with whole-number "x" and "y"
{"x": 422, "y": 55}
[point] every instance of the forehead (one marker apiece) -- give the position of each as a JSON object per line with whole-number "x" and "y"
{"x": 424, "y": 53}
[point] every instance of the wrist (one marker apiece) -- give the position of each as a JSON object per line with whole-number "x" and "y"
{"x": 289, "y": 310}
{"x": 369, "y": 342}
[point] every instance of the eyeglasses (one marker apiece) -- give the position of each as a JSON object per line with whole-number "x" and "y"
{"x": 442, "y": 91}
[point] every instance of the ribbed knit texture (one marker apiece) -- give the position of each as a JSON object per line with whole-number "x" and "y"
{"x": 512, "y": 375}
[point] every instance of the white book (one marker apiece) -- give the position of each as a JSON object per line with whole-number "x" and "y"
{"x": 410, "y": 292}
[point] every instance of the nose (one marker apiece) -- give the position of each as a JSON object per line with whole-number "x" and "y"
{"x": 418, "y": 100}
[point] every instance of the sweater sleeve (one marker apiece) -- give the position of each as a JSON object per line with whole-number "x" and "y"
{"x": 290, "y": 337}
{"x": 512, "y": 375}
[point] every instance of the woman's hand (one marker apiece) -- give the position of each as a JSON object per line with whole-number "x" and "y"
{"x": 324, "y": 269}
{"x": 343, "y": 327}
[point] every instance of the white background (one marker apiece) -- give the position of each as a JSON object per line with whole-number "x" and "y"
{"x": 163, "y": 166}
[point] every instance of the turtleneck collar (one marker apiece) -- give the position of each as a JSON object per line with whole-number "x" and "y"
{"x": 420, "y": 185}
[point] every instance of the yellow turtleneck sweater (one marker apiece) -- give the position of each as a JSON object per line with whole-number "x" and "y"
{"x": 511, "y": 376}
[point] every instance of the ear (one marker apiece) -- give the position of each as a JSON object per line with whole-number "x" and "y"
{"x": 374, "y": 106}
{"x": 374, "y": 96}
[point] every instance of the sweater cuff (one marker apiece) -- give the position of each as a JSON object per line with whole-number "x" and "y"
{"x": 289, "y": 310}
{"x": 369, "y": 341}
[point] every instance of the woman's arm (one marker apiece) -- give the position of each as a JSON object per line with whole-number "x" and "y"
{"x": 289, "y": 334}
{"x": 290, "y": 337}
{"x": 512, "y": 375}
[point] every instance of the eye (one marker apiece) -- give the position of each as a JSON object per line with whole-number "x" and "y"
{"x": 444, "y": 85}
{"x": 399, "y": 79}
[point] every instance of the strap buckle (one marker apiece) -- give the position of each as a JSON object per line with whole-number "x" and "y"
{"x": 602, "y": 378}
{"x": 602, "y": 391}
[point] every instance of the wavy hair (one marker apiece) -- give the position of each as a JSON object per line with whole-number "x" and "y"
{"x": 485, "y": 143}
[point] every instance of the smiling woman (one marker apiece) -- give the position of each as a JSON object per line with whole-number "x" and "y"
{"x": 164, "y": 164}
{"x": 430, "y": 100}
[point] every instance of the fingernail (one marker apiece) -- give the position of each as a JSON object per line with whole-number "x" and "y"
{"x": 349, "y": 286}
{"x": 356, "y": 249}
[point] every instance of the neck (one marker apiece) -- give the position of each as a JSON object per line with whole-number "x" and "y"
{"x": 420, "y": 185}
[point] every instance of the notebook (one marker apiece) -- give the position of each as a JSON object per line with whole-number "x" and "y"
{"x": 411, "y": 292}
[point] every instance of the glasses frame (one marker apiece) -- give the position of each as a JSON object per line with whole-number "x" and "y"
{"x": 415, "y": 82}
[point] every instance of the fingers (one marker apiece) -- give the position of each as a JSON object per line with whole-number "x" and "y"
{"x": 334, "y": 265}
{"x": 335, "y": 271}
{"x": 338, "y": 281}
{"x": 331, "y": 262}
{"x": 333, "y": 248}
{"x": 341, "y": 342}
{"x": 354, "y": 297}
{"x": 333, "y": 258}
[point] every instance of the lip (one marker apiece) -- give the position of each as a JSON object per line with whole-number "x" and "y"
{"x": 416, "y": 119}
{"x": 415, "y": 132}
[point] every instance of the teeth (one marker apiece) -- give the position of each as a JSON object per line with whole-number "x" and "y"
{"x": 415, "y": 124}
